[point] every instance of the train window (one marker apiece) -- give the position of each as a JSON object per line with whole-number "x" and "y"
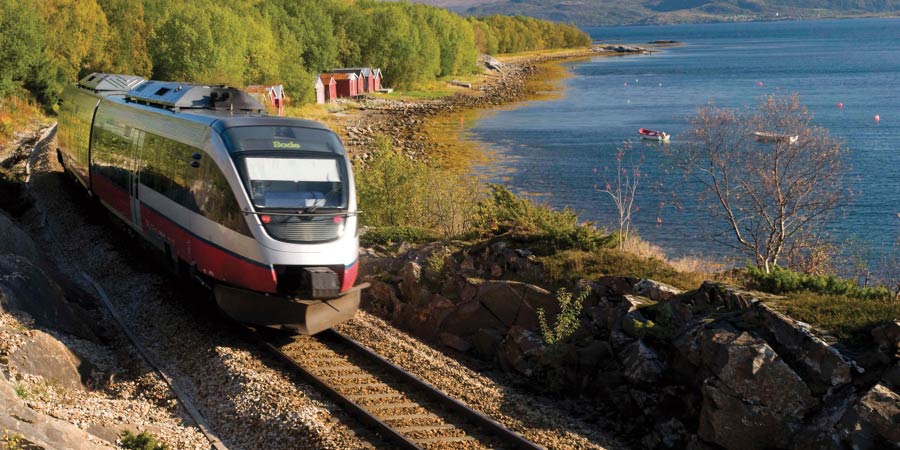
{"x": 295, "y": 182}
{"x": 253, "y": 138}
{"x": 203, "y": 190}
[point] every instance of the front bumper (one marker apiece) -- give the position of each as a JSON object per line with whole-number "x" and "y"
{"x": 304, "y": 316}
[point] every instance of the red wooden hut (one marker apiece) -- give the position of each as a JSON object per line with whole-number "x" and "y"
{"x": 329, "y": 86}
{"x": 347, "y": 84}
{"x": 376, "y": 80}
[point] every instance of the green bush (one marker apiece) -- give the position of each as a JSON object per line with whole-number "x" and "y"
{"x": 396, "y": 235}
{"x": 142, "y": 441}
{"x": 397, "y": 191}
{"x": 567, "y": 322}
{"x": 548, "y": 230}
{"x": 781, "y": 281}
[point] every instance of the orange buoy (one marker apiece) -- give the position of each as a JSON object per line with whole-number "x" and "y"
{"x": 760, "y": 84}
{"x": 840, "y": 105}
{"x": 877, "y": 118}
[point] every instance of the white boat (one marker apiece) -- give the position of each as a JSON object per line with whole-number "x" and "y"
{"x": 652, "y": 135}
{"x": 765, "y": 136}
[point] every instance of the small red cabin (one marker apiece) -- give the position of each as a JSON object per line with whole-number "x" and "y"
{"x": 329, "y": 88}
{"x": 347, "y": 84}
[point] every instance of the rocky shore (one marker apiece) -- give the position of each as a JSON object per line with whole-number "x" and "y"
{"x": 405, "y": 121}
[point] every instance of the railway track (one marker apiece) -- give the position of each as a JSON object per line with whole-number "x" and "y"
{"x": 403, "y": 410}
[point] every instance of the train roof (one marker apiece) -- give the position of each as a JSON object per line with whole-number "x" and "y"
{"x": 219, "y": 107}
{"x": 110, "y": 83}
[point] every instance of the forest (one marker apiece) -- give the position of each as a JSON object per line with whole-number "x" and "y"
{"x": 47, "y": 44}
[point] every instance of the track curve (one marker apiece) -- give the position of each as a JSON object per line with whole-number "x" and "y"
{"x": 401, "y": 408}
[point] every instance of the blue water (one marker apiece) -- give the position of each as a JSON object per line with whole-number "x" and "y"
{"x": 550, "y": 149}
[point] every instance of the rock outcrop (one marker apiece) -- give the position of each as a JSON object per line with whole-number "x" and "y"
{"x": 712, "y": 368}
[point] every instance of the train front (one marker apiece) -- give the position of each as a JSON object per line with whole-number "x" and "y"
{"x": 303, "y": 216}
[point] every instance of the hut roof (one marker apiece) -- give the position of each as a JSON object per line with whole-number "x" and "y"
{"x": 344, "y": 76}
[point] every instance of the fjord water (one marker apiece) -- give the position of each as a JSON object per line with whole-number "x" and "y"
{"x": 550, "y": 149}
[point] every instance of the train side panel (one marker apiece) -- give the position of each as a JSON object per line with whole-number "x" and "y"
{"x": 76, "y": 115}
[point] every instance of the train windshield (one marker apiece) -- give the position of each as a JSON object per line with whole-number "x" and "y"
{"x": 281, "y": 138}
{"x": 295, "y": 182}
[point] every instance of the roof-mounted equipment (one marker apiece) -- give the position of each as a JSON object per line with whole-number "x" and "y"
{"x": 177, "y": 96}
{"x": 110, "y": 83}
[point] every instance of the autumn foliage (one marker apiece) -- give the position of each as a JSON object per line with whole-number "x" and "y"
{"x": 47, "y": 44}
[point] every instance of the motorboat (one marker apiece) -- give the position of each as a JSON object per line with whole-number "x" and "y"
{"x": 652, "y": 135}
{"x": 765, "y": 136}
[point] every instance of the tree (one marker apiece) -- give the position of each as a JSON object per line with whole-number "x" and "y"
{"x": 772, "y": 190}
{"x": 20, "y": 43}
{"x": 622, "y": 189}
{"x": 127, "y": 44}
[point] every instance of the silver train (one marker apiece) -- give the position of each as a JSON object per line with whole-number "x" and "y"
{"x": 262, "y": 209}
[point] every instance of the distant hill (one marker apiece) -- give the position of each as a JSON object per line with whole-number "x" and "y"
{"x": 620, "y": 12}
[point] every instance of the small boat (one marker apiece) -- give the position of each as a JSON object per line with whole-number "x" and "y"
{"x": 652, "y": 135}
{"x": 765, "y": 136}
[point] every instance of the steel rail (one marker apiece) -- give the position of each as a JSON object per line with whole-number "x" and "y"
{"x": 482, "y": 421}
{"x": 486, "y": 426}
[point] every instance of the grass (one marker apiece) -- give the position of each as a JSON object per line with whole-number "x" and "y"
{"x": 16, "y": 113}
{"x": 569, "y": 266}
{"x": 849, "y": 319}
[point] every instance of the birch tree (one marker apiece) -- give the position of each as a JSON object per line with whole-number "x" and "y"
{"x": 769, "y": 174}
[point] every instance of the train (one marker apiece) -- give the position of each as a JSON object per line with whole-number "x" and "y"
{"x": 261, "y": 209}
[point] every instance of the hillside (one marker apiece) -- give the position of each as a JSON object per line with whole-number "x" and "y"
{"x": 621, "y": 12}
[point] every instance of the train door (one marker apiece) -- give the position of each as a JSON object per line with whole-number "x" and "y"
{"x": 137, "y": 146}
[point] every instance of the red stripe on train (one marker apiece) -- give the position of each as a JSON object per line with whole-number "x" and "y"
{"x": 349, "y": 276}
{"x": 210, "y": 260}
{"x": 114, "y": 196}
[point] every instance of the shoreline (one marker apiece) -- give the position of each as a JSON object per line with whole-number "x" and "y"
{"x": 432, "y": 129}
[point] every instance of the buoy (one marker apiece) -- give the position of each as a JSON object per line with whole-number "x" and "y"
{"x": 626, "y": 84}
{"x": 595, "y": 170}
{"x": 759, "y": 84}
{"x": 877, "y": 118}
{"x": 840, "y": 105}
{"x": 660, "y": 84}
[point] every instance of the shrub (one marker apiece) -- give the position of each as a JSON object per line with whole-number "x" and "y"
{"x": 397, "y": 191}
{"x": 505, "y": 212}
{"x": 781, "y": 281}
{"x": 567, "y": 322}
{"x": 396, "y": 235}
{"x": 142, "y": 441}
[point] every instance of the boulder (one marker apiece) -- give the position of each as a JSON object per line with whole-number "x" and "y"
{"x": 411, "y": 288}
{"x": 518, "y": 349}
{"x": 42, "y": 354}
{"x": 655, "y": 290}
{"x": 25, "y": 287}
{"x": 41, "y": 430}
{"x": 641, "y": 364}
{"x": 874, "y": 422}
{"x": 455, "y": 342}
{"x": 619, "y": 311}
{"x": 502, "y": 298}
{"x": 486, "y": 343}
{"x": 887, "y": 337}
{"x": 380, "y": 298}
{"x": 822, "y": 366}
{"x": 715, "y": 295}
{"x": 735, "y": 424}
{"x": 749, "y": 368}
{"x": 468, "y": 318}
{"x": 613, "y": 286}
{"x": 13, "y": 240}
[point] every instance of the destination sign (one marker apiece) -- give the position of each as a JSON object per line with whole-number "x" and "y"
{"x": 283, "y": 144}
